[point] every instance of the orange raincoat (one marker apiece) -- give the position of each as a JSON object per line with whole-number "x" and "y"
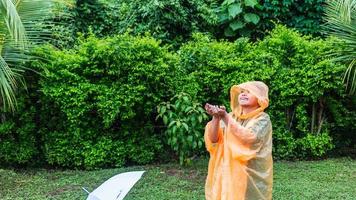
{"x": 241, "y": 165}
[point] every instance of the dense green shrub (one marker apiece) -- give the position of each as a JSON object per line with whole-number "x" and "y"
{"x": 17, "y": 138}
{"x": 214, "y": 66}
{"x": 98, "y": 101}
{"x": 304, "y": 16}
{"x": 303, "y": 83}
{"x": 172, "y": 21}
{"x": 95, "y": 105}
{"x": 100, "y": 17}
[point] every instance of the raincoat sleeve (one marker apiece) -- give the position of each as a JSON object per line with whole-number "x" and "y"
{"x": 247, "y": 141}
{"x": 211, "y": 146}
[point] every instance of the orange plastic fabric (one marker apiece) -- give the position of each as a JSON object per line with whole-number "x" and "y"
{"x": 241, "y": 165}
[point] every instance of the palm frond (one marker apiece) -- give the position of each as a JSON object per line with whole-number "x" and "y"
{"x": 8, "y": 85}
{"x": 350, "y": 76}
{"x": 37, "y": 17}
{"x": 26, "y": 23}
{"x": 13, "y": 21}
{"x": 340, "y": 16}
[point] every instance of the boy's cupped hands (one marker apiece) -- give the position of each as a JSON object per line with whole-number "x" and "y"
{"x": 215, "y": 110}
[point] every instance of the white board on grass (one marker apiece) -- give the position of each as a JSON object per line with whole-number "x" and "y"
{"x": 117, "y": 187}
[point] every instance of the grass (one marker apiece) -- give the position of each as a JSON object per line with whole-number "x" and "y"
{"x": 326, "y": 179}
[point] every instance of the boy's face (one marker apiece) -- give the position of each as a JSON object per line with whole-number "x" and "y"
{"x": 247, "y": 99}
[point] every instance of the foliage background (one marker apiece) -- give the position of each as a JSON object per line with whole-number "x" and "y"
{"x": 174, "y": 21}
{"x": 111, "y": 91}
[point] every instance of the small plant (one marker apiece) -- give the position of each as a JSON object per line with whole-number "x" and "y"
{"x": 184, "y": 119}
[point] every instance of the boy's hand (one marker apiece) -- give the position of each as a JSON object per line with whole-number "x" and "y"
{"x": 221, "y": 111}
{"x": 215, "y": 111}
{"x": 209, "y": 109}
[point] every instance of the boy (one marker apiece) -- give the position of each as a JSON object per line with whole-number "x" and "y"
{"x": 240, "y": 146}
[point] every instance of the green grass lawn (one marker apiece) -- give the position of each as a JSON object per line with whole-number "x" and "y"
{"x": 327, "y": 179}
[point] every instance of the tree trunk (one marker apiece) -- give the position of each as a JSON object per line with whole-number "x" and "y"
{"x": 313, "y": 119}
{"x": 320, "y": 116}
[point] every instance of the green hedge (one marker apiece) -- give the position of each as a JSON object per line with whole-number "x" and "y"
{"x": 305, "y": 86}
{"x": 95, "y": 105}
{"x": 97, "y": 102}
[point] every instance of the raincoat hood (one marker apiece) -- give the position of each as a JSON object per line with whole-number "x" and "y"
{"x": 256, "y": 88}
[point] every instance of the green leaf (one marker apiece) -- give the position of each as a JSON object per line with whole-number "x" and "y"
{"x": 236, "y": 25}
{"x": 251, "y": 17}
{"x": 234, "y": 10}
{"x": 245, "y": 32}
{"x": 228, "y": 2}
{"x": 223, "y": 17}
{"x": 200, "y": 143}
{"x": 178, "y": 123}
{"x": 185, "y": 126}
{"x": 165, "y": 119}
{"x": 163, "y": 109}
{"x": 171, "y": 123}
{"x": 251, "y": 3}
{"x": 205, "y": 116}
{"x": 200, "y": 119}
{"x": 190, "y": 139}
{"x": 174, "y": 141}
{"x": 229, "y": 32}
{"x": 187, "y": 109}
{"x": 197, "y": 134}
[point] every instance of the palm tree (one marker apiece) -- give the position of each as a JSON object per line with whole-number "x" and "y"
{"x": 21, "y": 27}
{"x": 341, "y": 23}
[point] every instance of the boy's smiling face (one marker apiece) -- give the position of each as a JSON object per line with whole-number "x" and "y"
{"x": 246, "y": 99}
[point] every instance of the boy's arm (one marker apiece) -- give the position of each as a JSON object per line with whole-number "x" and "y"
{"x": 214, "y": 128}
{"x": 247, "y": 134}
{"x": 213, "y": 136}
